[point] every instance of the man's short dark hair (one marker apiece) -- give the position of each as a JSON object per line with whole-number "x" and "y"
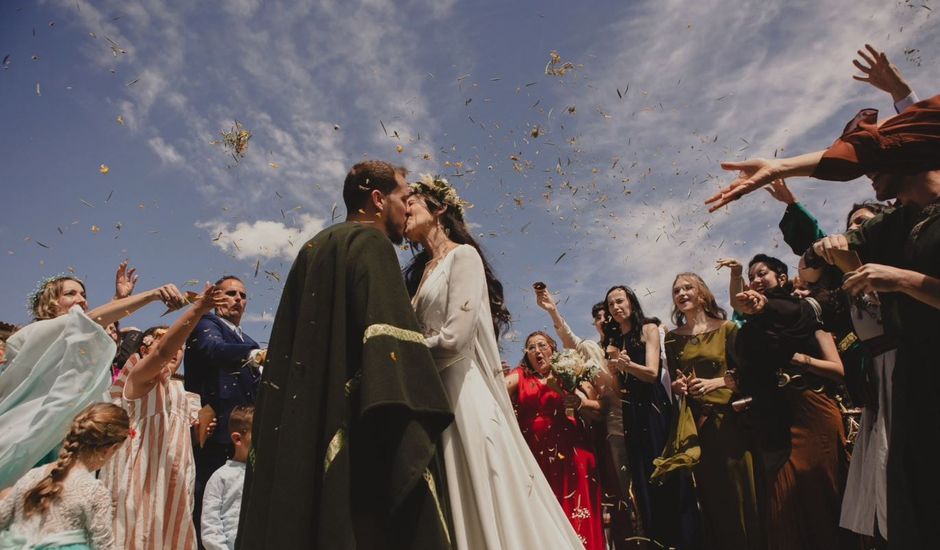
{"x": 367, "y": 176}
{"x": 224, "y": 278}
{"x": 599, "y": 306}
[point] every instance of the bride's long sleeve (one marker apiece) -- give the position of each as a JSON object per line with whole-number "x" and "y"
{"x": 466, "y": 294}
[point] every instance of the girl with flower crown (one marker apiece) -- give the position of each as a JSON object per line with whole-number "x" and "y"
{"x": 491, "y": 474}
{"x": 56, "y": 366}
{"x": 62, "y": 506}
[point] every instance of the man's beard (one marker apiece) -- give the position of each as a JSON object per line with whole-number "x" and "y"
{"x": 394, "y": 232}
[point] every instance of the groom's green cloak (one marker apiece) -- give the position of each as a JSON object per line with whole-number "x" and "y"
{"x": 349, "y": 411}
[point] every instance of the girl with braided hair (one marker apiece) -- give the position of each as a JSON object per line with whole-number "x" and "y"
{"x": 61, "y": 505}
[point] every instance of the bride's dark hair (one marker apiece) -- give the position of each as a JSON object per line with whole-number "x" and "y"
{"x": 456, "y": 230}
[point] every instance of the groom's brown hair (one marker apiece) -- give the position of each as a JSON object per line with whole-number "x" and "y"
{"x": 367, "y": 176}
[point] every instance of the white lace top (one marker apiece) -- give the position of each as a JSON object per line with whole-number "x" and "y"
{"x": 84, "y": 506}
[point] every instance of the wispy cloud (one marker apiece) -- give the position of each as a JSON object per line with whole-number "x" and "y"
{"x": 165, "y": 151}
{"x": 262, "y": 239}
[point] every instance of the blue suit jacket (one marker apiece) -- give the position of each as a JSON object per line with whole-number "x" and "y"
{"x": 216, "y": 367}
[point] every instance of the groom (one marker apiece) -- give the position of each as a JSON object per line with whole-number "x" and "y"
{"x": 351, "y": 406}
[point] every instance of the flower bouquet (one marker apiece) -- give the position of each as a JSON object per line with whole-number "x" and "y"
{"x": 570, "y": 369}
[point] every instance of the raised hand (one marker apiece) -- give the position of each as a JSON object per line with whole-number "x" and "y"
{"x": 170, "y": 296}
{"x": 732, "y": 264}
{"x": 881, "y": 73}
{"x": 211, "y": 298}
{"x": 124, "y": 281}
{"x": 778, "y": 189}
{"x": 752, "y": 174}
{"x": 543, "y": 298}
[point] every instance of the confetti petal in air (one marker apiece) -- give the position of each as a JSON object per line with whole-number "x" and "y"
{"x": 556, "y": 67}
{"x": 104, "y": 169}
{"x": 235, "y": 140}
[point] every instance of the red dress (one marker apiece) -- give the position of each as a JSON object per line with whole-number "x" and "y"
{"x": 562, "y": 447}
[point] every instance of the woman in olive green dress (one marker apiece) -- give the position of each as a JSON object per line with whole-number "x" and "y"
{"x": 725, "y": 478}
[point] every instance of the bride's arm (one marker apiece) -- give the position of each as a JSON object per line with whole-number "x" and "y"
{"x": 466, "y": 292}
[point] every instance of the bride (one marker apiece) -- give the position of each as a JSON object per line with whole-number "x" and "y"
{"x": 498, "y": 495}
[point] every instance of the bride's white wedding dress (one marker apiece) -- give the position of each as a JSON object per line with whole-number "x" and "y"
{"x": 499, "y": 497}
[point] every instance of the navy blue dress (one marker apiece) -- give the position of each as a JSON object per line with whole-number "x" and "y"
{"x": 668, "y": 512}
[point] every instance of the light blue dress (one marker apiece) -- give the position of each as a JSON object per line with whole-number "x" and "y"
{"x": 54, "y": 369}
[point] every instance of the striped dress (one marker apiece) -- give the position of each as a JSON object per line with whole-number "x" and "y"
{"x": 152, "y": 476}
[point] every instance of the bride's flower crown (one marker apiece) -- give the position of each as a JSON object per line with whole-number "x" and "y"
{"x": 441, "y": 191}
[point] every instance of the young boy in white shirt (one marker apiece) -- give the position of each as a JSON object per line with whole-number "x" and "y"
{"x": 221, "y": 503}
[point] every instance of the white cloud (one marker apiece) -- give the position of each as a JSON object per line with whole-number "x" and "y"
{"x": 263, "y": 317}
{"x": 165, "y": 151}
{"x": 262, "y": 239}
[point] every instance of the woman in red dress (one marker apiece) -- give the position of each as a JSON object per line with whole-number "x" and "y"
{"x": 562, "y": 444}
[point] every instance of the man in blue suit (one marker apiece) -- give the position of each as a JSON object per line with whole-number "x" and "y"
{"x": 222, "y": 366}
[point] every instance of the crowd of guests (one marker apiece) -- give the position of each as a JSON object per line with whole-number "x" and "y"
{"x": 169, "y": 450}
{"x": 721, "y": 432}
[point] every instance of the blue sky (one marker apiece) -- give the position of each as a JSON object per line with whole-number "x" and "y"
{"x": 610, "y": 191}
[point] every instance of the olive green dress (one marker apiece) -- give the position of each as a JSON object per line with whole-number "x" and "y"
{"x": 725, "y": 478}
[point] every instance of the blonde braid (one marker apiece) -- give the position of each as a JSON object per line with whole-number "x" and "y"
{"x": 99, "y": 426}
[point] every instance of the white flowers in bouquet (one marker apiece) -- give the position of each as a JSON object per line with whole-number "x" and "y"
{"x": 570, "y": 369}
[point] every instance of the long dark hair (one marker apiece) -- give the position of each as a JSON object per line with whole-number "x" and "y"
{"x": 637, "y": 320}
{"x": 456, "y": 230}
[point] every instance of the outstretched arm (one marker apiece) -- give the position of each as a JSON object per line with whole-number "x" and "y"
{"x": 756, "y": 173}
{"x": 118, "y": 309}
{"x": 885, "y": 278}
{"x": 545, "y": 301}
{"x": 146, "y": 371}
{"x": 736, "y": 280}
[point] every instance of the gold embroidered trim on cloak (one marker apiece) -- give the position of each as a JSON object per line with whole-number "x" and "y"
{"x": 432, "y": 486}
{"x": 402, "y": 334}
{"x": 333, "y": 449}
